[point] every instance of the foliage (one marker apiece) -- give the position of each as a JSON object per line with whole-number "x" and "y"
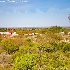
{"x": 25, "y": 62}
{"x": 64, "y": 46}
{"x": 28, "y": 47}
{"x": 3, "y": 29}
{"x": 47, "y": 61}
{"x": 56, "y": 29}
{"x": 10, "y": 45}
{"x": 45, "y": 51}
{"x": 0, "y": 38}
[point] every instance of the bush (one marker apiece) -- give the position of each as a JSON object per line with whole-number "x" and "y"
{"x": 10, "y": 45}
{"x": 66, "y": 47}
{"x": 25, "y": 62}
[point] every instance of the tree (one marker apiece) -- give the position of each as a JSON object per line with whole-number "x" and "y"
{"x": 25, "y": 62}
{"x": 28, "y": 47}
{"x": 10, "y": 45}
{"x": 66, "y": 47}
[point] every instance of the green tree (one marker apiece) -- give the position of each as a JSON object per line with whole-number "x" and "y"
{"x": 28, "y": 47}
{"x": 66, "y": 47}
{"x": 25, "y": 62}
{"x": 10, "y": 45}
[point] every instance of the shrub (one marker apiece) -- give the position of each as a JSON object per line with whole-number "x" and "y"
{"x": 10, "y": 45}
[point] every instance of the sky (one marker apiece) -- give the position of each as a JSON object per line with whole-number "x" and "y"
{"x": 34, "y": 13}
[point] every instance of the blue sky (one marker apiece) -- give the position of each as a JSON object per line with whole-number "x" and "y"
{"x": 34, "y": 13}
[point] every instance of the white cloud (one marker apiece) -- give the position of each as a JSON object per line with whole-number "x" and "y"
{"x": 12, "y": 1}
{"x": 2, "y": 1}
{"x": 25, "y": 1}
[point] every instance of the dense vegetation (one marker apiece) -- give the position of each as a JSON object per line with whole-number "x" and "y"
{"x": 48, "y": 50}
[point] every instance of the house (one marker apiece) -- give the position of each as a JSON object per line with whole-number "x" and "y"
{"x": 5, "y": 34}
{"x": 29, "y": 33}
{"x": 9, "y": 33}
{"x": 14, "y": 34}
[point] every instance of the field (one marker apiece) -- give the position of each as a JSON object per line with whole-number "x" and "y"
{"x": 35, "y": 48}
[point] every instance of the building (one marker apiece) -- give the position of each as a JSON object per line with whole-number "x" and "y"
{"x": 9, "y": 33}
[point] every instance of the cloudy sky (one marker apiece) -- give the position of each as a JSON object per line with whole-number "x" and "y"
{"x": 34, "y": 13}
